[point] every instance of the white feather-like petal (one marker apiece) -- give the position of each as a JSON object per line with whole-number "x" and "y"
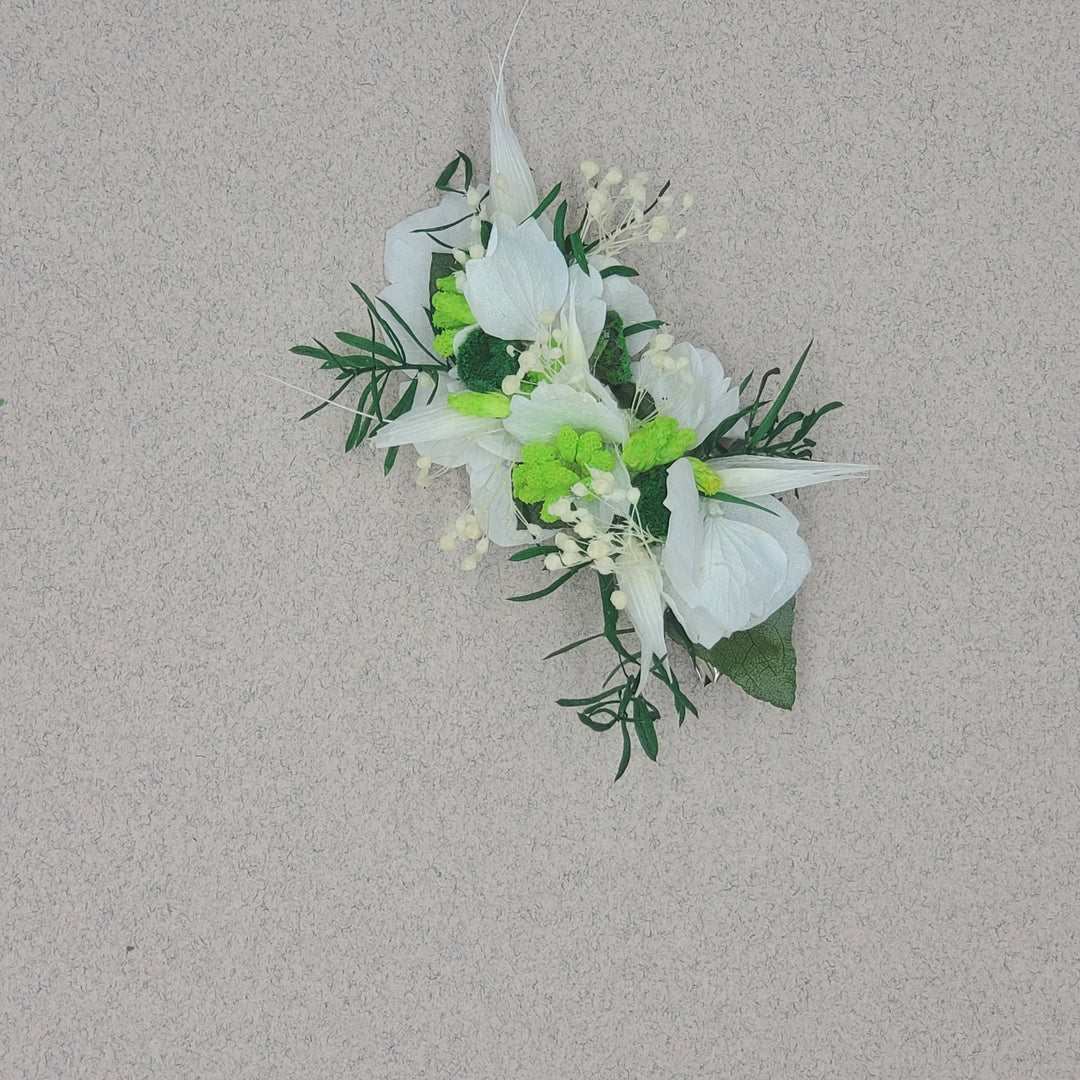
{"x": 513, "y": 190}
{"x": 747, "y": 476}
{"x": 638, "y": 576}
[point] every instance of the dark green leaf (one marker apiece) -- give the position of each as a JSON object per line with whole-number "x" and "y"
{"x": 559, "y": 226}
{"x": 443, "y": 183}
{"x": 550, "y": 588}
{"x": 547, "y": 200}
{"x": 579, "y": 252}
{"x": 646, "y": 730}
{"x": 376, "y": 347}
{"x": 770, "y": 417}
{"x": 533, "y": 552}
{"x": 723, "y": 496}
{"x": 625, "y": 759}
{"x": 761, "y": 660}
{"x": 636, "y": 328}
{"x": 618, "y": 271}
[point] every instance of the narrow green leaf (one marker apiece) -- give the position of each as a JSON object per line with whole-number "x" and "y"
{"x": 550, "y": 588}
{"x": 579, "y": 252}
{"x": 646, "y": 733}
{"x": 391, "y": 457}
{"x": 443, "y": 183}
{"x": 625, "y": 759}
{"x": 558, "y": 229}
{"x": 636, "y": 328}
{"x": 533, "y": 552}
{"x": 376, "y": 347}
{"x": 582, "y": 641}
{"x": 618, "y": 271}
{"x": 547, "y": 200}
{"x": 761, "y": 660}
{"x": 770, "y": 417}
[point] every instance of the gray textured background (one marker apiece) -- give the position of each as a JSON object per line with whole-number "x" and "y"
{"x": 286, "y": 794}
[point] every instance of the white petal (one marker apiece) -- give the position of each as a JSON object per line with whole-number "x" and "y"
{"x": 632, "y": 305}
{"x": 728, "y": 571}
{"x": 583, "y": 314}
{"x": 638, "y": 575}
{"x": 698, "y": 396}
{"x": 442, "y": 433}
{"x": 538, "y": 417}
{"x": 491, "y": 486}
{"x": 522, "y": 274}
{"x": 512, "y": 188}
{"x": 408, "y": 266}
{"x": 749, "y": 475}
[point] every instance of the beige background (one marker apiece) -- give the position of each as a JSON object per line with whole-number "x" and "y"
{"x": 286, "y": 794}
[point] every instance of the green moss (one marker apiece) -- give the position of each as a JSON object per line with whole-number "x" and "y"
{"x": 483, "y": 362}
{"x": 651, "y": 511}
{"x": 610, "y": 362}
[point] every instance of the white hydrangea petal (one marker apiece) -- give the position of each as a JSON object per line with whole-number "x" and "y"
{"x": 699, "y": 396}
{"x": 583, "y": 314}
{"x": 750, "y": 563}
{"x": 522, "y": 274}
{"x": 408, "y": 266}
{"x": 538, "y": 417}
{"x": 638, "y": 576}
{"x": 512, "y": 188}
{"x": 747, "y": 476}
{"x": 491, "y": 487}
{"x": 632, "y": 305}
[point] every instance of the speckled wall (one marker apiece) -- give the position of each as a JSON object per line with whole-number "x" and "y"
{"x": 286, "y": 792}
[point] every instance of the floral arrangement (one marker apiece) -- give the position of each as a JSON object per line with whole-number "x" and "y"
{"x": 593, "y": 441}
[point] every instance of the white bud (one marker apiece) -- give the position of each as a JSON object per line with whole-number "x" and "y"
{"x": 476, "y": 251}
{"x": 632, "y": 496}
{"x": 469, "y": 562}
{"x": 511, "y": 385}
{"x": 580, "y": 490}
{"x": 589, "y": 169}
{"x": 612, "y": 177}
{"x": 618, "y": 600}
{"x": 552, "y": 561}
{"x": 564, "y": 542}
{"x": 461, "y": 255}
{"x": 606, "y": 565}
{"x": 482, "y": 545}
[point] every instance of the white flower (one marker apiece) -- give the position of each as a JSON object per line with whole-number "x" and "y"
{"x": 522, "y": 287}
{"x": 693, "y": 389}
{"x": 727, "y": 567}
{"x": 408, "y": 266}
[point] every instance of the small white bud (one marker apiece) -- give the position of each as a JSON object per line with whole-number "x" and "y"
{"x": 447, "y": 542}
{"x": 469, "y": 562}
{"x": 580, "y": 490}
{"x": 461, "y": 255}
{"x": 473, "y": 531}
{"x": 511, "y": 385}
{"x": 606, "y": 565}
{"x": 476, "y": 225}
{"x": 564, "y": 542}
{"x": 618, "y": 600}
{"x": 612, "y": 177}
{"x": 552, "y": 561}
{"x": 423, "y": 463}
{"x": 632, "y": 496}
{"x": 476, "y": 251}
{"x": 589, "y": 169}
{"x": 547, "y": 316}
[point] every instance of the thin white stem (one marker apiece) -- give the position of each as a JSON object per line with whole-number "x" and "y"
{"x": 319, "y": 397}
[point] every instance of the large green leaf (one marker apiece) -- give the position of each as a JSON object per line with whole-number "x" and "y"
{"x": 761, "y": 660}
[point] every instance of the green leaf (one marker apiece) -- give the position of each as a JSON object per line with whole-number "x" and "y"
{"x": 557, "y": 231}
{"x": 761, "y": 660}
{"x": 543, "y": 549}
{"x": 579, "y": 252}
{"x": 549, "y": 588}
{"x": 770, "y": 417}
{"x": 636, "y": 328}
{"x": 547, "y": 200}
{"x": 645, "y": 728}
{"x": 618, "y": 271}
{"x": 367, "y": 345}
{"x": 723, "y": 496}
{"x": 625, "y": 760}
{"x": 443, "y": 183}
